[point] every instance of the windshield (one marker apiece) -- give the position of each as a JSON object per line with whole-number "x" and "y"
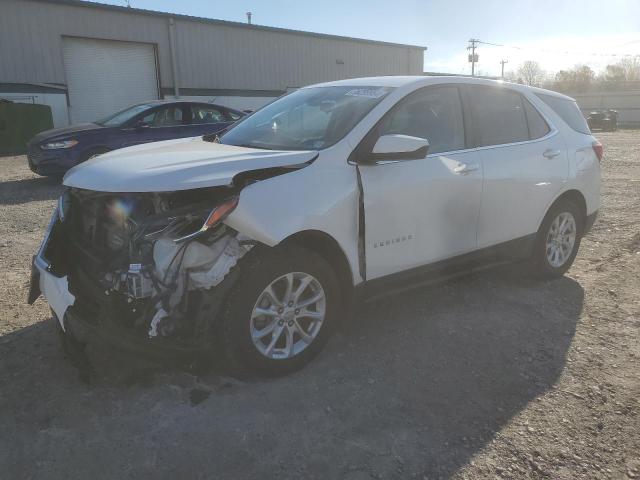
{"x": 123, "y": 116}
{"x": 307, "y": 119}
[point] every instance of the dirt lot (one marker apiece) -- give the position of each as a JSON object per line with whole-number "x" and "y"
{"x": 491, "y": 376}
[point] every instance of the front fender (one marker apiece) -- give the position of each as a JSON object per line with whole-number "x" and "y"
{"x": 320, "y": 197}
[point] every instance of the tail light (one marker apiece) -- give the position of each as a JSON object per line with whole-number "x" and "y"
{"x": 599, "y": 149}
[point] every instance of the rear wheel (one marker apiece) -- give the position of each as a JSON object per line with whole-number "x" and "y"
{"x": 558, "y": 240}
{"x": 282, "y": 310}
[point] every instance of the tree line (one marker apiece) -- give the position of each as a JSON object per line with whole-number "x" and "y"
{"x": 623, "y": 75}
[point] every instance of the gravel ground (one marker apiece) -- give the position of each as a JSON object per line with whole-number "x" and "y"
{"x": 490, "y": 376}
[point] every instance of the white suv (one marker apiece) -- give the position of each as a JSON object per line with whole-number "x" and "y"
{"x": 257, "y": 242}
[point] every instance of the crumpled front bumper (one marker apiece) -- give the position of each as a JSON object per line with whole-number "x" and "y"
{"x": 103, "y": 330}
{"x": 54, "y": 288}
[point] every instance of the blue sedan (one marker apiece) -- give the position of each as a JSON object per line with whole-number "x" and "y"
{"x": 53, "y": 152}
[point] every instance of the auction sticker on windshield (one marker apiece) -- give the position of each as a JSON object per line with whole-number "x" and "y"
{"x": 367, "y": 92}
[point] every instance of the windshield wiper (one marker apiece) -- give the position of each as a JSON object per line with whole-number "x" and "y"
{"x": 215, "y": 138}
{"x": 251, "y": 145}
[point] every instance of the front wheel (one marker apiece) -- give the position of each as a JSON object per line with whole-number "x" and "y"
{"x": 282, "y": 310}
{"x": 558, "y": 240}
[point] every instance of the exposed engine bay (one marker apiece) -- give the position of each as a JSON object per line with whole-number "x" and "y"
{"x": 143, "y": 260}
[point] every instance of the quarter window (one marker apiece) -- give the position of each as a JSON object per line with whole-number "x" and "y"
{"x": 567, "y": 110}
{"x": 434, "y": 113}
{"x": 233, "y": 115}
{"x": 499, "y": 116}
{"x": 538, "y": 127}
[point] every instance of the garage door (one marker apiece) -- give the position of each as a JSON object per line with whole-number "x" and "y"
{"x": 104, "y": 76}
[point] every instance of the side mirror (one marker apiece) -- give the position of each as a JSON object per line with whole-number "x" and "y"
{"x": 399, "y": 147}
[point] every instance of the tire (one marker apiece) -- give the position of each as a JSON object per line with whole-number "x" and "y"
{"x": 552, "y": 257}
{"x": 276, "y": 267}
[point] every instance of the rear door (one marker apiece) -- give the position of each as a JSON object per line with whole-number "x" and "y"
{"x": 420, "y": 211}
{"x": 205, "y": 119}
{"x": 524, "y": 161}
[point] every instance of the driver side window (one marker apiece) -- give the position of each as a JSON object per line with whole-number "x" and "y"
{"x": 434, "y": 113}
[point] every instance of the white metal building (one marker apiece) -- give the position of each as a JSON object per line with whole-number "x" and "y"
{"x": 87, "y": 60}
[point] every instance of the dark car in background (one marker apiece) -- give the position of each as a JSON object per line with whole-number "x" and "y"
{"x": 603, "y": 120}
{"x": 53, "y": 152}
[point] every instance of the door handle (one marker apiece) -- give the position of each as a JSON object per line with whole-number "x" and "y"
{"x": 464, "y": 168}
{"x": 551, "y": 153}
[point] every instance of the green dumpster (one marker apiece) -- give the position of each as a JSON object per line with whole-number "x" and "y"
{"x": 19, "y": 122}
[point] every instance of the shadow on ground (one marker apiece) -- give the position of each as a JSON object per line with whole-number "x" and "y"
{"x": 15, "y": 192}
{"x": 413, "y": 386}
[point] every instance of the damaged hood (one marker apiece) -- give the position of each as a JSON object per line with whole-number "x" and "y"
{"x": 172, "y": 165}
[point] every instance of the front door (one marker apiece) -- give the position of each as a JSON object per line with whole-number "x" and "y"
{"x": 418, "y": 212}
{"x": 165, "y": 122}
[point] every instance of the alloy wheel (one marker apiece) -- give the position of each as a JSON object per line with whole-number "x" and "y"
{"x": 288, "y": 315}
{"x": 561, "y": 239}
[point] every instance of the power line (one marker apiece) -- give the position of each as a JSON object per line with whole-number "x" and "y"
{"x": 566, "y": 52}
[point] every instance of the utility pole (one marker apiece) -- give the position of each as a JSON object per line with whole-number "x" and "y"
{"x": 473, "y": 57}
{"x": 249, "y": 14}
{"x": 502, "y": 62}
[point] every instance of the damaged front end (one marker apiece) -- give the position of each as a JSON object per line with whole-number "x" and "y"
{"x": 141, "y": 267}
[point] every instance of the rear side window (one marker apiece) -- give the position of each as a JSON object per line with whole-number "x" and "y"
{"x": 568, "y": 111}
{"x": 169, "y": 116}
{"x": 538, "y": 127}
{"x": 206, "y": 114}
{"x": 434, "y": 113}
{"x": 499, "y": 116}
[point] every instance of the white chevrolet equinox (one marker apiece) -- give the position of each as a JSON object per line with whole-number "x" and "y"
{"x": 257, "y": 242}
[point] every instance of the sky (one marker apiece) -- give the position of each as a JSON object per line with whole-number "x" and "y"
{"x": 556, "y": 33}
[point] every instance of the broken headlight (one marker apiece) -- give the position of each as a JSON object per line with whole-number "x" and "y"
{"x": 192, "y": 225}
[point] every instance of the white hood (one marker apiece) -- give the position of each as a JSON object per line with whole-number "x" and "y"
{"x": 171, "y": 165}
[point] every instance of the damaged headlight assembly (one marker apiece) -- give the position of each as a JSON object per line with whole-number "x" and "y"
{"x": 214, "y": 218}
